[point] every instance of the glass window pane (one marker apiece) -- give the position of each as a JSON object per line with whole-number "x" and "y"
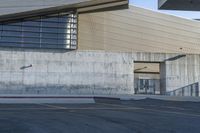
{"x": 31, "y": 34}
{"x": 63, "y": 25}
{"x": 64, "y": 36}
{"x": 32, "y": 29}
{"x": 12, "y": 28}
{"x": 52, "y": 31}
{"x": 49, "y": 35}
{"x": 49, "y": 46}
{"x": 49, "y": 41}
{"x": 10, "y": 39}
{"x": 31, "y": 40}
{"x": 32, "y": 45}
{"x": 63, "y": 42}
{"x": 11, "y": 33}
{"x": 14, "y": 23}
{"x": 50, "y": 24}
{"x": 10, "y": 44}
{"x": 49, "y": 19}
{"x": 31, "y": 23}
{"x": 62, "y": 46}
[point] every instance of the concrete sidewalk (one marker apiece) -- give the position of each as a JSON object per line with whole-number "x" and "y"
{"x": 83, "y": 99}
{"x": 161, "y": 97}
{"x": 35, "y": 99}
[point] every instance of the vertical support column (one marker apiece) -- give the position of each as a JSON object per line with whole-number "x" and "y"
{"x": 162, "y": 78}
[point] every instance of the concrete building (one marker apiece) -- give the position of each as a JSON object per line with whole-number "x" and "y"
{"x": 95, "y": 47}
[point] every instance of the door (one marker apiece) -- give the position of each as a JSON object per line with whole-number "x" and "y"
{"x": 145, "y": 86}
{"x": 147, "y": 77}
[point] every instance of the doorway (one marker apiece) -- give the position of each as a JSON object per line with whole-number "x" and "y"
{"x": 147, "y": 78}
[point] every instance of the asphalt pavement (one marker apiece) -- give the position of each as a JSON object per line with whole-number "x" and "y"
{"x": 104, "y": 116}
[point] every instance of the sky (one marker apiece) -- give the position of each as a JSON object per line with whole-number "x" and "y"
{"x": 153, "y": 5}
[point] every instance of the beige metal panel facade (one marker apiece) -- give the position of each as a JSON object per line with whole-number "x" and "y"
{"x": 138, "y": 30}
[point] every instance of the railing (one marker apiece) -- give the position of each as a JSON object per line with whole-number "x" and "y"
{"x": 189, "y": 90}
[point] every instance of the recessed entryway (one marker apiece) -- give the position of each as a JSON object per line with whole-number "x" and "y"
{"x": 147, "y": 77}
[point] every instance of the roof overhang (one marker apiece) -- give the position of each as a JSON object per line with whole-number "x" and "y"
{"x": 187, "y": 5}
{"x": 16, "y": 12}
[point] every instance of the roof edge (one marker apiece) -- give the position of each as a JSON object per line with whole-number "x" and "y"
{"x": 82, "y": 7}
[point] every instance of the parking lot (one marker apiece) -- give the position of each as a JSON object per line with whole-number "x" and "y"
{"x": 105, "y": 116}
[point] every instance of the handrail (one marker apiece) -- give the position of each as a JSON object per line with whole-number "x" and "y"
{"x": 189, "y": 90}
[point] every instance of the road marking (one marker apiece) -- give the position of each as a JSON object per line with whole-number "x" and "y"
{"x": 53, "y": 106}
{"x": 114, "y": 105}
{"x": 173, "y": 107}
{"x": 89, "y": 108}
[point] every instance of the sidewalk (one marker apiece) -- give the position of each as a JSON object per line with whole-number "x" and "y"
{"x": 83, "y": 99}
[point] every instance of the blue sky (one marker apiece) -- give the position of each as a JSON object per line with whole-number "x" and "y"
{"x": 152, "y": 4}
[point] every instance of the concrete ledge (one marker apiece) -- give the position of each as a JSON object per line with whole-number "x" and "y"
{"x": 46, "y": 100}
{"x": 18, "y": 99}
{"x": 63, "y": 99}
{"x": 85, "y": 99}
{"x": 160, "y": 97}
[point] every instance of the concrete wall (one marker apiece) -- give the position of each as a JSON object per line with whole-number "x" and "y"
{"x": 183, "y": 72}
{"x": 177, "y": 73}
{"x": 56, "y": 72}
{"x": 65, "y": 73}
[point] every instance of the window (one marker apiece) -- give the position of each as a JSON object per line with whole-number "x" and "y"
{"x": 50, "y": 31}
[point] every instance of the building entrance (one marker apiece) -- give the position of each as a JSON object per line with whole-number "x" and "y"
{"x": 147, "y": 78}
{"x": 146, "y": 86}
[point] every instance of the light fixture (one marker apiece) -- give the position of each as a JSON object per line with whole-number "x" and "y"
{"x": 139, "y": 69}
